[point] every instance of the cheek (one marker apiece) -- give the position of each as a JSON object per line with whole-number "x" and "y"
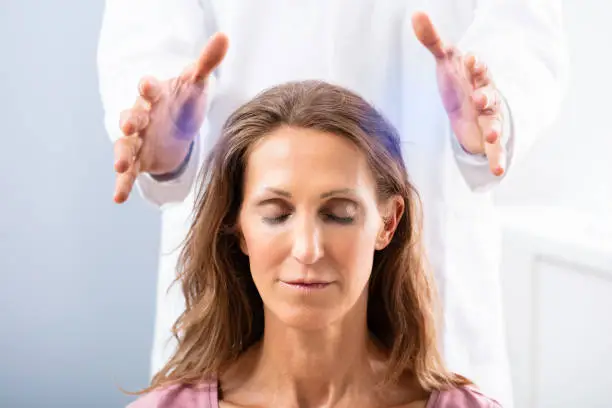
{"x": 352, "y": 250}
{"x": 265, "y": 248}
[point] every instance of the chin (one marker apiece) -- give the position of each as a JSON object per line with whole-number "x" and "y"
{"x": 306, "y": 317}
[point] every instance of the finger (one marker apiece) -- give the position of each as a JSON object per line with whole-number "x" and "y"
{"x": 497, "y": 158}
{"x": 142, "y": 105}
{"x": 470, "y": 61}
{"x": 126, "y": 150}
{"x": 150, "y": 89}
{"x": 427, "y": 34}
{"x": 491, "y": 127}
{"x": 133, "y": 120}
{"x": 211, "y": 56}
{"x": 480, "y": 75}
{"x": 486, "y": 100}
{"x": 125, "y": 182}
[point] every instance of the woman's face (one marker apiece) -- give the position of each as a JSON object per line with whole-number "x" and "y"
{"x": 310, "y": 223}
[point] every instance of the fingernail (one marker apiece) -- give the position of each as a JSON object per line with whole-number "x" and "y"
{"x": 492, "y": 138}
{"x": 484, "y": 101}
{"x": 480, "y": 100}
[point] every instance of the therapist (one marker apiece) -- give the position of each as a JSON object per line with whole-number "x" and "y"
{"x": 494, "y": 83}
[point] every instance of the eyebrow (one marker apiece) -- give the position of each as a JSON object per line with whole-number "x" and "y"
{"x": 327, "y": 194}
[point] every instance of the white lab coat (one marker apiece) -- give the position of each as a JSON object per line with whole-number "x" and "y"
{"x": 367, "y": 46}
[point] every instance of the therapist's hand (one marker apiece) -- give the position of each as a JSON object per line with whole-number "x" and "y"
{"x": 163, "y": 122}
{"x": 469, "y": 96}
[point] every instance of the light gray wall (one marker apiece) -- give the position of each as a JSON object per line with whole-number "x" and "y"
{"x": 77, "y": 272}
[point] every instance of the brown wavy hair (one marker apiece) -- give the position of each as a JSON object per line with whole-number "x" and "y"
{"x": 223, "y": 314}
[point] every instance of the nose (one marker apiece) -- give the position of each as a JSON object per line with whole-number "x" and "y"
{"x": 307, "y": 242}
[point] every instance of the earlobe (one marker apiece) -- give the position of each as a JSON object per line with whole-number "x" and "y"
{"x": 242, "y": 243}
{"x": 243, "y": 246}
{"x": 240, "y": 236}
{"x": 381, "y": 244}
{"x": 394, "y": 212}
{"x": 386, "y": 232}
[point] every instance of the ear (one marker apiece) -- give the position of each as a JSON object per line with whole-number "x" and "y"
{"x": 391, "y": 212}
{"x": 240, "y": 236}
{"x": 242, "y": 241}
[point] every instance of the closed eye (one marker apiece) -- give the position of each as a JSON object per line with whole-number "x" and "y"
{"x": 279, "y": 219}
{"x": 275, "y": 210}
{"x": 337, "y": 210}
{"x": 339, "y": 220}
{"x": 341, "y": 211}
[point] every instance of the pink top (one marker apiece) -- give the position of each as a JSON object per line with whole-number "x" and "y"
{"x": 205, "y": 396}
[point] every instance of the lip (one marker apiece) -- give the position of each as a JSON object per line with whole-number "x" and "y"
{"x": 306, "y": 285}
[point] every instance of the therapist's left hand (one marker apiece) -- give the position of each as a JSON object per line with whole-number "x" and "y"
{"x": 469, "y": 96}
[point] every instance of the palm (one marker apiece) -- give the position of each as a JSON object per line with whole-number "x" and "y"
{"x": 165, "y": 119}
{"x": 456, "y": 92}
{"x": 174, "y": 120}
{"x": 468, "y": 95}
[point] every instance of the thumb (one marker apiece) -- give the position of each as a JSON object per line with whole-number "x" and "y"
{"x": 210, "y": 57}
{"x": 427, "y": 34}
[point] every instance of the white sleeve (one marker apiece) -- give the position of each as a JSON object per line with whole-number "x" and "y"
{"x": 149, "y": 37}
{"x": 523, "y": 44}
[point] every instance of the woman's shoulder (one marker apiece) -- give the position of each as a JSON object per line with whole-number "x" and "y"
{"x": 180, "y": 396}
{"x": 461, "y": 397}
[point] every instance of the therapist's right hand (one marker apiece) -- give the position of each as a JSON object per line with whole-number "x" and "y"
{"x": 161, "y": 125}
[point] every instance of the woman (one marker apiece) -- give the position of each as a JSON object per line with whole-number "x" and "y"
{"x": 302, "y": 272}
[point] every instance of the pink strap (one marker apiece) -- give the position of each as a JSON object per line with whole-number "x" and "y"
{"x": 213, "y": 395}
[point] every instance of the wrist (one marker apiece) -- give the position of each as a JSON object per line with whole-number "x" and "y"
{"x": 179, "y": 170}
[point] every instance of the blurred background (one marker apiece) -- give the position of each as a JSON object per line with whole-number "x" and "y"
{"x": 78, "y": 273}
